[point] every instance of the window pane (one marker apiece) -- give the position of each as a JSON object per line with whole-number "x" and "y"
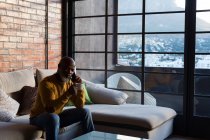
{"x": 129, "y": 6}
{"x": 89, "y": 25}
{"x": 111, "y": 43}
{"x": 202, "y": 106}
{"x": 170, "y": 100}
{"x": 164, "y": 43}
{"x": 164, "y": 83}
{"x": 203, "y": 21}
{"x": 93, "y": 76}
{"x": 202, "y": 61}
{"x": 164, "y": 5}
{"x": 202, "y": 4}
{"x": 113, "y": 65}
{"x": 129, "y": 43}
{"x": 133, "y": 26}
{"x": 165, "y": 22}
{"x": 90, "y": 60}
{"x": 90, "y": 43}
{"x": 202, "y": 43}
{"x": 129, "y": 59}
{"x": 202, "y": 85}
{"x": 89, "y": 8}
{"x": 110, "y": 7}
{"x": 164, "y": 60}
{"x": 111, "y": 25}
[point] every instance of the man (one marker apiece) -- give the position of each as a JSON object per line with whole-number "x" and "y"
{"x": 53, "y": 93}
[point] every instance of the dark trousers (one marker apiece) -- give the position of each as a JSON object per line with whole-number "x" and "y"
{"x": 51, "y": 122}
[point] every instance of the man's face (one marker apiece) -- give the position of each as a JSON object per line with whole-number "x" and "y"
{"x": 66, "y": 71}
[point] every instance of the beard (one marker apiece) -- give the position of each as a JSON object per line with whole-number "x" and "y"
{"x": 64, "y": 76}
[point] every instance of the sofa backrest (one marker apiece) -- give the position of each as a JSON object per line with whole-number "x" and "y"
{"x": 42, "y": 73}
{"x": 12, "y": 82}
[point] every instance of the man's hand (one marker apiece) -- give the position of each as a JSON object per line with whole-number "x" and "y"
{"x": 71, "y": 90}
{"x": 77, "y": 79}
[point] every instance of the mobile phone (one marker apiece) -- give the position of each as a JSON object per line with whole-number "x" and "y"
{"x": 73, "y": 77}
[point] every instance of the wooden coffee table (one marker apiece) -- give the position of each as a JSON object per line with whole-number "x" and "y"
{"x": 96, "y": 135}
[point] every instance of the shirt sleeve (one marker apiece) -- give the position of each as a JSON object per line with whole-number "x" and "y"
{"x": 79, "y": 99}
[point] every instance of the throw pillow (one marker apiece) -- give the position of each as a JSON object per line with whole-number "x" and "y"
{"x": 87, "y": 98}
{"x": 5, "y": 115}
{"x": 102, "y": 95}
{"x": 28, "y": 98}
{"x": 8, "y": 105}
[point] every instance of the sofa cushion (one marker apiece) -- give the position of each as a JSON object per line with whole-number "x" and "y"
{"x": 14, "y": 81}
{"x": 9, "y": 105}
{"x": 87, "y": 98}
{"x": 28, "y": 98}
{"x": 14, "y": 131}
{"x": 42, "y": 73}
{"x": 101, "y": 95}
{"x": 5, "y": 116}
{"x": 145, "y": 117}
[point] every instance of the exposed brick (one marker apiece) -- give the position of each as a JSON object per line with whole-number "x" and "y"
{"x": 19, "y": 21}
{"x": 3, "y": 25}
{"x": 39, "y": 40}
{"x": 1, "y": 45}
{"x": 6, "y": 19}
{"x": 22, "y": 45}
{"x": 14, "y": 39}
{"x": 13, "y": 14}
{"x": 24, "y": 3}
{"x": 14, "y": 51}
{"x": 32, "y": 11}
{"x": 2, "y": 12}
{"x": 9, "y": 32}
{"x": 12, "y": 1}
{"x": 1, "y": 31}
{"x": 5, "y": 5}
{"x": 24, "y": 34}
{"x": 9, "y": 45}
{"x": 27, "y": 40}
{"x": 16, "y": 64}
{"x": 41, "y": 12}
{"x": 34, "y": 34}
{"x": 37, "y": 6}
{"x": 4, "y": 51}
{"x": 4, "y": 64}
{"x": 25, "y": 16}
{"x": 4, "y": 38}
{"x": 28, "y": 63}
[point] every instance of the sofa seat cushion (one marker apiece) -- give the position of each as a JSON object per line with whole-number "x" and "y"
{"x": 14, "y": 131}
{"x": 145, "y": 117}
{"x": 24, "y": 119}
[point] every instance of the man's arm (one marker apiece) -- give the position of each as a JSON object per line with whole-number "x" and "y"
{"x": 78, "y": 99}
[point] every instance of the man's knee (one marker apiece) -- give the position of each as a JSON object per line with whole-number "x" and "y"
{"x": 53, "y": 119}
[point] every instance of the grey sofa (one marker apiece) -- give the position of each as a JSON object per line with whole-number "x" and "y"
{"x": 110, "y": 112}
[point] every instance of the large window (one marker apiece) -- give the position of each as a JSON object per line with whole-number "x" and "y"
{"x": 144, "y": 48}
{"x": 202, "y": 59}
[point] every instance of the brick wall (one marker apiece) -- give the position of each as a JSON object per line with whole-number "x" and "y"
{"x": 22, "y": 34}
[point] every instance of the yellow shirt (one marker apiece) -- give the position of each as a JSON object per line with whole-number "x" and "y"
{"x": 52, "y": 96}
